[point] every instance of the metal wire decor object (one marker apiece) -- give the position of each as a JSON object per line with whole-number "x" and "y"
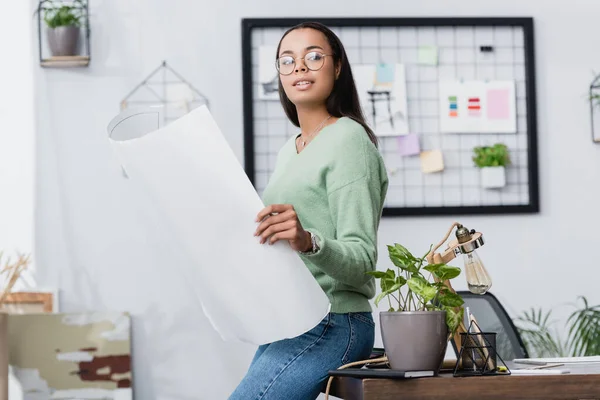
{"x": 165, "y": 88}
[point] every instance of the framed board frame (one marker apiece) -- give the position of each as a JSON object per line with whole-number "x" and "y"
{"x": 456, "y": 190}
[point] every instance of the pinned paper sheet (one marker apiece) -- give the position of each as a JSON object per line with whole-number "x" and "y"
{"x": 477, "y": 107}
{"x": 267, "y": 73}
{"x": 432, "y": 161}
{"x": 209, "y": 206}
{"x": 385, "y": 74}
{"x": 409, "y": 145}
{"x": 428, "y": 55}
{"x": 382, "y": 94}
{"x": 498, "y": 103}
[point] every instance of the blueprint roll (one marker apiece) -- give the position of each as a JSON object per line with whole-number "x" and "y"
{"x": 250, "y": 292}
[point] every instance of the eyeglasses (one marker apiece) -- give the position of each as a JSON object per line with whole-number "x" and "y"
{"x": 314, "y": 61}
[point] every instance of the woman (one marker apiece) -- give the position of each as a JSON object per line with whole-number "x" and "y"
{"x": 325, "y": 199}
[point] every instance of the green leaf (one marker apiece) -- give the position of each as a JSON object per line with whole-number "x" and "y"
{"x": 442, "y": 271}
{"x": 402, "y": 258}
{"x": 417, "y": 283}
{"x": 534, "y": 328}
{"x": 388, "y": 280}
{"x": 433, "y": 268}
{"x": 491, "y": 156}
{"x": 379, "y": 297}
{"x": 397, "y": 259}
{"x": 422, "y": 288}
{"x": 393, "y": 288}
{"x": 453, "y": 318}
{"x": 450, "y": 299}
{"x": 584, "y": 330}
{"x": 447, "y": 272}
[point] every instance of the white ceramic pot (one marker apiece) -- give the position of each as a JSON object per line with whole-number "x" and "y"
{"x": 493, "y": 177}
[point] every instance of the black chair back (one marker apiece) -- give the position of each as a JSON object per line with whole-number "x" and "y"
{"x": 492, "y": 317}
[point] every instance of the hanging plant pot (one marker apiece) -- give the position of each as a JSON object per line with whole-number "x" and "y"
{"x": 64, "y": 40}
{"x": 493, "y": 177}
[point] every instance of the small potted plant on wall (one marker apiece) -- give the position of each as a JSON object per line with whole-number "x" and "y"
{"x": 63, "y": 25}
{"x": 423, "y": 312}
{"x": 492, "y": 161}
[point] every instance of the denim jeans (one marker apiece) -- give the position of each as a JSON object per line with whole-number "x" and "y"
{"x": 296, "y": 369}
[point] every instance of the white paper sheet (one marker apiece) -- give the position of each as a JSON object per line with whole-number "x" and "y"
{"x": 268, "y": 77}
{"x": 477, "y": 107}
{"x": 250, "y": 292}
{"x": 563, "y": 360}
{"x": 391, "y": 115}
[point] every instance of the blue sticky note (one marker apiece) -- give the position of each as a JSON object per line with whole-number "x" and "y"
{"x": 385, "y": 73}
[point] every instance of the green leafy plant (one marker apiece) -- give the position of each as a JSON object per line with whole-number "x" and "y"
{"x": 58, "y": 13}
{"x": 541, "y": 340}
{"x": 491, "y": 156}
{"x": 412, "y": 291}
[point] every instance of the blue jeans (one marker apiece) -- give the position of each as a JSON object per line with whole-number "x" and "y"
{"x": 297, "y": 368}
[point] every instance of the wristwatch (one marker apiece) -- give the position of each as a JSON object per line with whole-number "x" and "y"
{"x": 315, "y": 245}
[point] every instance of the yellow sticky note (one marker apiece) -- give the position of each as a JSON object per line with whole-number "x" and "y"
{"x": 428, "y": 55}
{"x": 432, "y": 161}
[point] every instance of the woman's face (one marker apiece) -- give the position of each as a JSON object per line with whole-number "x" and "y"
{"x": 306, "y": 67}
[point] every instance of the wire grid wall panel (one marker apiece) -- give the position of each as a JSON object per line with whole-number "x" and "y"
{"x": 456, "y": 189}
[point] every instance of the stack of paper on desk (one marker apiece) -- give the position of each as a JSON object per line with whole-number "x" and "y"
{"x": 250, "y": 292}
{"x": 538, "y": 371}
{"x": 563, "y": 360}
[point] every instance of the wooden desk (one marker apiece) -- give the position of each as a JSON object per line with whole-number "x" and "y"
{"x": 583, "y": 383}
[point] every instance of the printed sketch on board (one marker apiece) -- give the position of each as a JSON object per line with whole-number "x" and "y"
{"x": 268, "y": 76}
{"x": 382, "y": 92}
{"x": 71, "y": 356}
{"x": 477, "y": 107}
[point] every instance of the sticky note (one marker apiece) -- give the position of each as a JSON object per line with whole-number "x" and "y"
{"x": 498, "y": 104}
{"x": 432, "y": 161}
{"x": 428, "y": 55}
{"x": 385, "y": 73}
{"x": 408, "y": 145}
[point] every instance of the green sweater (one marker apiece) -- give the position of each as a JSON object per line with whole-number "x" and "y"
{"x": 337, "y": 186}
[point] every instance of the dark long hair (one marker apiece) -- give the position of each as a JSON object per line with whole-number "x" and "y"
{"x": 343, "y": 100}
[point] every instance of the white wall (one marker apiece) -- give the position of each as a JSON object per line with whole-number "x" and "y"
{"x": 16, "y": 132}
{"x": 545, "y": 259}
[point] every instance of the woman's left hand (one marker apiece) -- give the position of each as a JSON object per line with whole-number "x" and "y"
{"x": 280, "y": 222}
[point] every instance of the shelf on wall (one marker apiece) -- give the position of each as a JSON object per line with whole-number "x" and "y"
{"x": 64, "y": 30}
{"x": 66, "y": 61}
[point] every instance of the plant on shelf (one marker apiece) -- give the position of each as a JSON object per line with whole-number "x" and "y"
{"x": 492, "y": 161}
{"x": 63, "y": 24}
{"x": 423, "y": 311}
{"x": 582, "y": 326}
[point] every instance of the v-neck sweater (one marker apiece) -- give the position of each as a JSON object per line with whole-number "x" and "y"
{"x": 337, "y": 185}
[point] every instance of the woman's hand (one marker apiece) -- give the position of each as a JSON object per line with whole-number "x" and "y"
{"x": 280, "y": 222}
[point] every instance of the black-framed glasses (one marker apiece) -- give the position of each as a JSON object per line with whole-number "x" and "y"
{"x": 313, "y": 60}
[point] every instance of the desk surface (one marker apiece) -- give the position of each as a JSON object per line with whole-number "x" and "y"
{"x": 583, "y": 382}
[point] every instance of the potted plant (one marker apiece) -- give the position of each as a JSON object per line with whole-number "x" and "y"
{"x": 492, "y": 160}
{"x": 423, "y": 311}
{"x": 63, "y": 25}
{"x": 582, "y": 329}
